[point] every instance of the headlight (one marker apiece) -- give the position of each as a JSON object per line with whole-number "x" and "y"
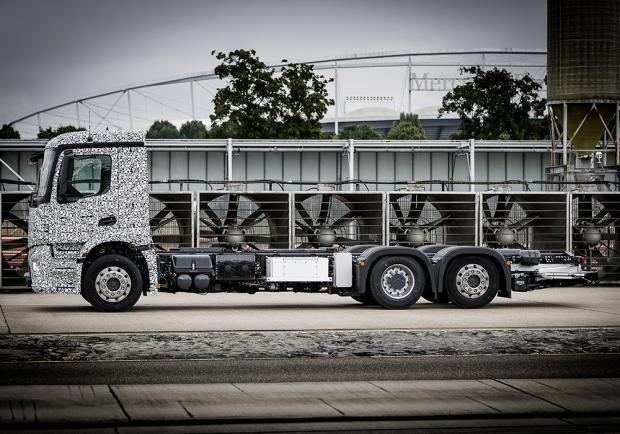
{"x": 35, "y": 264}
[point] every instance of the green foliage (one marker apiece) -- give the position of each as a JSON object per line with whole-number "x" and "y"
{"x": 162, "y": 130}
{"x": 408, "y": 127}
{"x": 8, "y": 132}
{"x": 302, "y": 102}
{"x": 257, "y": 103}
{"x": 358, "y": 132}
{"x": 50, "y": 133}
{"x": 193, "y": 130}
{"x": 495, "y": 104}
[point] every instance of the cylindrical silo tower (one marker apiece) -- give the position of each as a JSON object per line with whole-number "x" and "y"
{"x": 583, "y": 75}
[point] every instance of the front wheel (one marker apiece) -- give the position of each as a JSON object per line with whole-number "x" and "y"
{"x": 472, "y": 281}
{"x": 397, "y": 282}
{"x": 365, "y": 298}
{"x": 112, "y": 283}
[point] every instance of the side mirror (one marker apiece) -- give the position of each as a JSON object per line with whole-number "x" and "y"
{"x": 35, "y": 157}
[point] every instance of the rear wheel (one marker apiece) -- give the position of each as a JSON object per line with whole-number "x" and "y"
{"x": 472, "y": 281}
{"x": 397, "y": 282}
{"x": 112, "y": 283}
{"x": 442, "y": 297}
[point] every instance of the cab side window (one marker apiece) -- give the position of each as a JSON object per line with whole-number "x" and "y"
{"x": 83, "y": 176}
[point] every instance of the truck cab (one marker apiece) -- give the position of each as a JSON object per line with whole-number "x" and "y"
{"x": 92, "y": 203}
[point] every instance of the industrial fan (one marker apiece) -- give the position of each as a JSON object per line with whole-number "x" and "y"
{"x": 14, "y": 239}
{"x": 328, "y": 218}
{"x": 417, "y": 219}
{"x": 524, "y": 220}
{"x": 596, "y": 233}
{"x": 232, "y": 219}
{"x": 171, "y": 219}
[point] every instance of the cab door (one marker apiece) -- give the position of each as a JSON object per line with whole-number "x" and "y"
{"x": 85, "y": 203}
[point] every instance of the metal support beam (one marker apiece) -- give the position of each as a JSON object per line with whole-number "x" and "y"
{"x": 77, "y": 115}
{"x": 553, "y": 143}
{"x": 472, "y": 164}
{"x": 618, "y": 134}
{"x": 569, "y": 222}
{"x": 17, "y": 175}
{"x": 336, "y": 98}
{"x": 104, "y": 118}
{"x": 409, "y": 86}
{"x": 351, "y": 164}
{"x": 229, "y": 159}
{"x": 191, "y": 90}
{"x": 129, "y": 109}
{"x": 564, "y": 134}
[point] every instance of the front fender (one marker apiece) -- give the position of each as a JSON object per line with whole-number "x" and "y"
{"x": 142, "y": 243}
{"x": 443, "y": 258}
{"x": 372, "y": 255}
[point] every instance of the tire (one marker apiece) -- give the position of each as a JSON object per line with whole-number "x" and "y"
{"x": 474, "y": 291}
{"x": 442, "y": 297}
{"x": 118, "y": 277}
{"x": 397, "y": 282}
{"x": 366, "y": 298}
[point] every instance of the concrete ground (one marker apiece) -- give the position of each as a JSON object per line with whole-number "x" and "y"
{"x": 543, "y": 361}
{"x": 26, "y": 312}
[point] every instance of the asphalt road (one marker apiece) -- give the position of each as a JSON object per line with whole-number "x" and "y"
{"x": 310, "y": 369}
{"x": 26, "y": 312}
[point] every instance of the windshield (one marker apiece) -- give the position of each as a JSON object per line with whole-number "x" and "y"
{"x": 46, "y": 170}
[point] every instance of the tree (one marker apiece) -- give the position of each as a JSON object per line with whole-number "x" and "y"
{"x": 162, "y": 130}
{"x": 302, "y": 102}
{"x": 8, "y": 132}
{"x": 193, "y": 130}
{"x": 358, "y": 132}
{"x": 50, "y": 133}
{"x": 408, "y": 127}
{"x": 257, "y": 103}
{"x": 494, "y": 104}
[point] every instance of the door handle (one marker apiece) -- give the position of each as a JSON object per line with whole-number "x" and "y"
{"x": 107, "y": 221}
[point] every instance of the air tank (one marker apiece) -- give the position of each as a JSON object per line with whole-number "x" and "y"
{"x": 583, "y": 67}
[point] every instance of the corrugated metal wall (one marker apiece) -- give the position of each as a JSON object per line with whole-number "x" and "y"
{"x": 379, "y": 165}
{"x": 330, "y": 167}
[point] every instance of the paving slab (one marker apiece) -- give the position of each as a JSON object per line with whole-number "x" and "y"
{"x": 279, "y": 401}
{"x": 496, "y": 396}
{"x": 4, "y": 327}
{"x": 166, "y": 401}
{"x": 58, "y": 404}
{"x": 27, "y": 312}
{"x": 574, "y": 395}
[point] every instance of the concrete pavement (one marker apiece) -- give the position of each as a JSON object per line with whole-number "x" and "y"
{"x": 124, "y": 405}
{"x": 125, "y": 368}
{"x": 551, "y": 307}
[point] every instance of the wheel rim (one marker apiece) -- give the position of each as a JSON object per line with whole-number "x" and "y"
{"x": 397, "y": 281}
{"x": 472, "y": 280}
{"x": 113, "y": 284}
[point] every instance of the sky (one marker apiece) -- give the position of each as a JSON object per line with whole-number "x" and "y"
{"x": 54, "y": 51}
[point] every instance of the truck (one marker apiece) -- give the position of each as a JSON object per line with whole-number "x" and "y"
{"x": 89, "y": 234}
